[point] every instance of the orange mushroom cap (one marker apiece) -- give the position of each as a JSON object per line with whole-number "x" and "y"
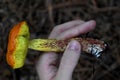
{"x": 17, "y": 45}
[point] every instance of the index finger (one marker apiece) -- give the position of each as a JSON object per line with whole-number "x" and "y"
{"x": 63, "y": 27}
{"x": 80, "y": 29}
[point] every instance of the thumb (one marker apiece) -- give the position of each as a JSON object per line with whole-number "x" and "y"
{"x": 69, "y": 61}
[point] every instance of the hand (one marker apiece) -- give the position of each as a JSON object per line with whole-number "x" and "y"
{"x": 47, "y": 65}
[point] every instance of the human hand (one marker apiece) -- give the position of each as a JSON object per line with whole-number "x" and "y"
{"x": 47, "y": 64}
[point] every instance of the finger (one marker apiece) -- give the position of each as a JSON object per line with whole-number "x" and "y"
{"x": 61, "y": 28}
{"x": 80, "y": 29}
{"x": 46, "y": 66}
{"x": 69, "y": 61}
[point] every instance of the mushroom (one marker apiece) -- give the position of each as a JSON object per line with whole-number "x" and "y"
{"x": 19, "y": 43}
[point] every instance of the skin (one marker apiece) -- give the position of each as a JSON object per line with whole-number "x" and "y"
{"x": 49, "y": 66}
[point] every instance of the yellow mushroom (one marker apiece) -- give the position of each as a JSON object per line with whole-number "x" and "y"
{"x": 19, "y": 43}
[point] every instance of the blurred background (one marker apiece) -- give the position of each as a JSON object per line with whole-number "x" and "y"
{"x": 43, "y": 15}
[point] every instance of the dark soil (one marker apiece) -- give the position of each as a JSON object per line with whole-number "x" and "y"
{"x": 43, "y": 15}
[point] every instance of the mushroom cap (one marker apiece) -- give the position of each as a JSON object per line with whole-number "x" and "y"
{"x": 18, "y": 45}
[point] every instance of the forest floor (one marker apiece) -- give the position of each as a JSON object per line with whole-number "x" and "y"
{"x": 43, "y": 15}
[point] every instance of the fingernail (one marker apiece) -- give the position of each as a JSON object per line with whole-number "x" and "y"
{"x": 74, "y": 45}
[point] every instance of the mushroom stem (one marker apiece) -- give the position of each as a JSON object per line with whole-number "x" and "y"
{"x": 89, "y": 45}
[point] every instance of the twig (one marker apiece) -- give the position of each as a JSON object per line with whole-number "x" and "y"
{"x": 64, "y": 4}
{"x": 1, "y": 54}
{"x": 94, "y": 3}
{"x": 50, "y": 11}
{"x": 106, "y": 9}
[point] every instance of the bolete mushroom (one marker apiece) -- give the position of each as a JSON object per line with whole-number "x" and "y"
{"x": 19, "y": 43}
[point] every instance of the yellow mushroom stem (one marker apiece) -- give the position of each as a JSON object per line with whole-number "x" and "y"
{"x": 89, "y": 45}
